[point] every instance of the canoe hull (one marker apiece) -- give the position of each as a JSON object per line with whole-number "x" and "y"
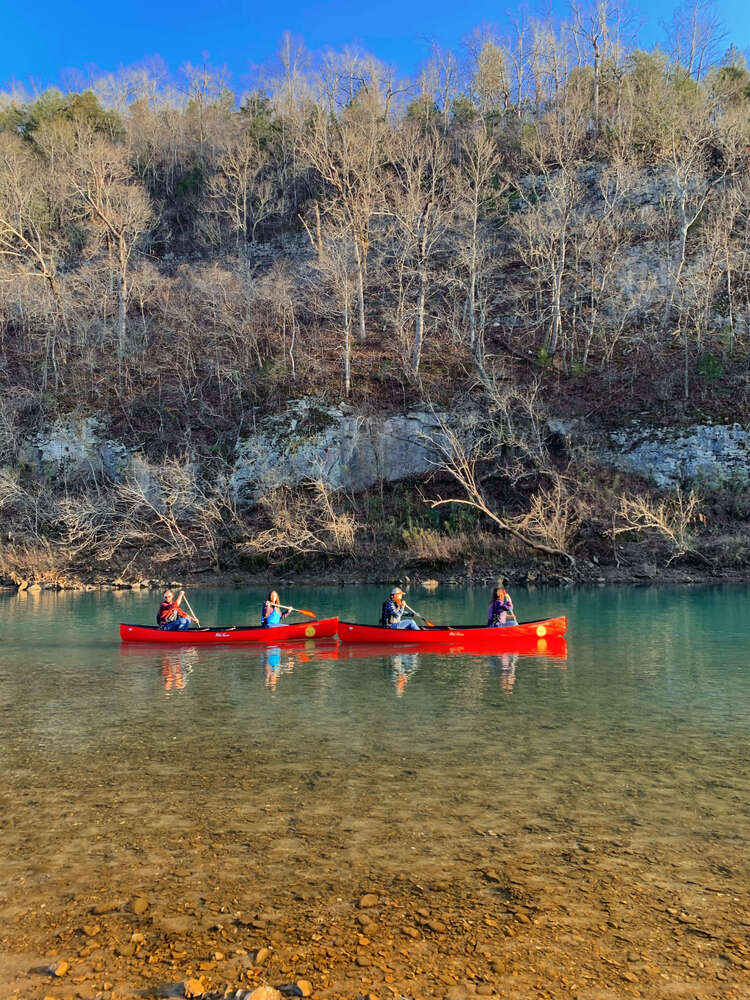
{"x": 475, "y": 637}
{"x": 325, "y": 628}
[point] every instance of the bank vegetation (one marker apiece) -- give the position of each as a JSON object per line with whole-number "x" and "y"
{"x": 548, "y": 221}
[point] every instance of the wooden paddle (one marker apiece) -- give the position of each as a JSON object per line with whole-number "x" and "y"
{"x": 427, "y": 621}
{"x": 187, "y": 602}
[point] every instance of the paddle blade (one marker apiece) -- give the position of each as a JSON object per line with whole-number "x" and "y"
{"x": 304, "y": 611}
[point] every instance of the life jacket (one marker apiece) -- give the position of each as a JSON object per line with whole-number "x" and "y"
{"x": 387, "y": 617}
{"x": 497, "y": 608}
{"x": 272, "y": 618}
{"x": 166, "y": 613}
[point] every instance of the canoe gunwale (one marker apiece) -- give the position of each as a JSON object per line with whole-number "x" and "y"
{"x": 323, "y": 628}
{"x": 524, "y": 631}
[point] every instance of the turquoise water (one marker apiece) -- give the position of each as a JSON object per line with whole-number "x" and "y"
{"x": 637, "y": 661}
{"x": 340, "y": 764}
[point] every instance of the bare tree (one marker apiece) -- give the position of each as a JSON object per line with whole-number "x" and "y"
{"x": 242, "y": 189}
{"x": 348, "y": 153}
{"x": 441, "y": 78}
{"x": 695, "y": 35}
{"x": 115, "y": 207}
{"x": 420, "y": 202}
{"x": 336, "y": 298}
{"x": 672, "y": 518}
{"x": 691, "y": 186}
{"x": 309, "y": 519}
{"x": 207, "y": 92}
{"x": 549, "y": 524}
{"x": 479, "y": 182}
{"x": 28, "y": 234}
{"x": 488, "y": 68}
{"x": 543, "y": 238}
{"x": 598, "y": 28}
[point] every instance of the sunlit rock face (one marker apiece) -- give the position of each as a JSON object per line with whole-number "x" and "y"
{"x": 345, "y": 450}
{"x": 706, "y": 456}
{"x": 75, "y": 445}
{"x": 353, "y": 452}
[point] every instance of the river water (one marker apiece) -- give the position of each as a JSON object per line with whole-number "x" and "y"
{"x": 569, "y": 824}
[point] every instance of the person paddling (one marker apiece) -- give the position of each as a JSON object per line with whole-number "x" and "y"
{"x": 271, "y": 613}
{"x": 395, "y": 610}
{"x": 500, "y": 611}
{"x": 171, "y": 616}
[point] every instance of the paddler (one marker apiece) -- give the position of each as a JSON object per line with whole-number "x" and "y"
{"x": 271, "y": 613}
{"x": 395, "y": 610}
{"x": 171, "y": 616}
{"x": 500, "y": 611}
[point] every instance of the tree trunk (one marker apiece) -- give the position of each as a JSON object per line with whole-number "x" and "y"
{"x": 597, "y": 76}
{"x": 419, "y": 322}
{"x": 361, "y": 295}
{"x": 473, "y": 273}
{"x": 347, "y": 347}
{"x": 318, "y": 231}
{"x": 122, "y": 293}
{"x": 556, "y": 328}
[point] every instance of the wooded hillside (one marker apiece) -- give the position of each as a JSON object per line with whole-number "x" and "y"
{"x": 555, "y": 208}
{"x": 170, "y": 245}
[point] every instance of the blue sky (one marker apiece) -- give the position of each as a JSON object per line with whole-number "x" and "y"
{"x": 42, "y": 39}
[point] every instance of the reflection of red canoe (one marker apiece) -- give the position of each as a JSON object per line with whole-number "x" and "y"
{"x": 556, "y": 648}
{"x": 304, "y": 649}
{"x": 232, "y": 633}
{"x": 476, "y": 636}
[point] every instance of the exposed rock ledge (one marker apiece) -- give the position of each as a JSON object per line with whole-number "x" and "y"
{"x": 350, "y": 451}
{"x": 704, "y": 456}
{"x": 345, "y": 450}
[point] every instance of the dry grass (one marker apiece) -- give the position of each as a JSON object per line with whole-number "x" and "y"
{"x": 432, "y": 546}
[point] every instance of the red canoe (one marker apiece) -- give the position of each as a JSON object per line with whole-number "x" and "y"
{"x": 326, "y": 627}
{"x": 476, "y": 636}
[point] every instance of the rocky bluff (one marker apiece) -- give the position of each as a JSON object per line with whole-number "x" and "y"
{"x": 351, "y": 451}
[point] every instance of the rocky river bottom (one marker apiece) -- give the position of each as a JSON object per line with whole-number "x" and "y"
{"x": 204, "y": 821}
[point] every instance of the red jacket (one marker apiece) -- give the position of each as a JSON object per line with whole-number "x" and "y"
{"x": 168, "y": 611}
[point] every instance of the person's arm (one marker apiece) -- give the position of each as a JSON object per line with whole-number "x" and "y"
{"x": 181, "y": 611}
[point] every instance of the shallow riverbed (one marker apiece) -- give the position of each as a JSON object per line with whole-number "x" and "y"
{"x": 574, "y": 825}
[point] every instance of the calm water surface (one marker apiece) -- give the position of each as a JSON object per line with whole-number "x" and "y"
{"x": 639, "y": 735}
{"x": 644, "y": 667}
